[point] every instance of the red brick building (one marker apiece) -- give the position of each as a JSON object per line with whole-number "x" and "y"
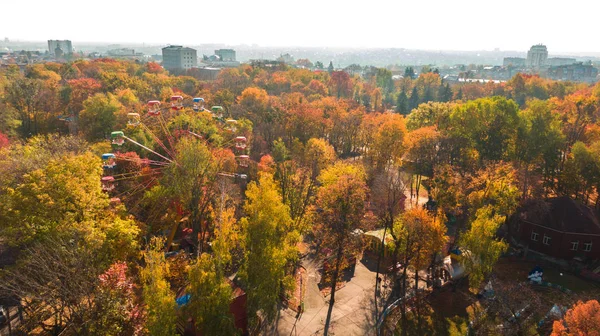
{"x": 560, "y": 227}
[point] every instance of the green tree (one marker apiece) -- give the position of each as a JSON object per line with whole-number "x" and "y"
{"x": 429, "y": 114}
{"x": 402, "y": 103}
{"x": 383, "y": 78}
{"x": 538, "y": 144}
{"x": 99, "y": 115}
{"x": 488, "y": 124}
{"x": 414, "y": 99}
{"x": 409, "y": 72}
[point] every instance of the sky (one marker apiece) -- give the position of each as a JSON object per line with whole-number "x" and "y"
{"x": 419, "y": 24}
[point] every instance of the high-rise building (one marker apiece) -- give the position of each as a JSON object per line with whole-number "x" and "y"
{"x": 537, "y": 56}
{"x": 179, "y": 58}
{"x": 64, "y": 46}
{"x": 226, "y": 55}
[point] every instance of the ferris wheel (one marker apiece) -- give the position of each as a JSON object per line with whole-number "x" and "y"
{"x": 121, "y": 184}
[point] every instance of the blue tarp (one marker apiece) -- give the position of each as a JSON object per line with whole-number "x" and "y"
{"x": 183, "y": 300}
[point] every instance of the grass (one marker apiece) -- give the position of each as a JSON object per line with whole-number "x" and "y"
{"x": 517, "y": 270}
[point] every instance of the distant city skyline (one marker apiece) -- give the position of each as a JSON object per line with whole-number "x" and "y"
{"x": 425, "y": 25}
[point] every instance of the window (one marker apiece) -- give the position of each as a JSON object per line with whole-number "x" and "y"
{"x": 534, "y": 236}
{"x": 587, "y": 247}
{"x": 546, "y": 240}
{"x": 574, "y": 245}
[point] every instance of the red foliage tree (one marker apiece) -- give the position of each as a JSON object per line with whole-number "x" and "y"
{"x": 3, "y": 140}
{"x": 582, "y": 319}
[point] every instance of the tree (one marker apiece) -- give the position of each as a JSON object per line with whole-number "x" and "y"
{"x": 417, "y": 237}
{"x": 50, "y": 283}
{"x": 158, "y": 298}
{"x": 422, "y": 146}
{"x": 482, "y": 249}
{"x": 384, "y": 137}
{"x": 191, "y": 184}
{"x": 488, "y": 124}
{"x": 444, "y": 93}
{"x": 388, "y": 197}
{"x": 539, "y": 143}
{"x": 210, "y": 297}
{"x": 99, "y": 115}
{"x": 25, "y": 95}
{"x": 340, "y": 84}
{"x": 402, "y": 103}
{"x": 383, "y": 78}
{"x": 582, "y": 319}
{"x": 409, "y": 72}
{"x": 296, "y": 182}
{"x": 429, "y": 114}
{"x": 269, "y": 243}
{"x": 116, "y": 311}
{"x": 4, "y": 142}
{"x": 63, "y": 198}
{"x": 341, "y": 203}
{"x": 414, "y": 99}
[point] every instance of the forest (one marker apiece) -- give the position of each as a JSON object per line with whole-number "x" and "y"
{"x": 137, "y": 202}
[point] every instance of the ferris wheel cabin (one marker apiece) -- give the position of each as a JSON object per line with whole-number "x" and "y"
{"x": 240, "y": 142}
{"x": 154, "y": 107}
{"x": 133, "y": 119}
{"x": 176, "y": 102}
{"x": 108, "y": 183}
{"x": 109, "y": 161}
{"x": 198, "y": 104}
{"x": 117, "y": 138}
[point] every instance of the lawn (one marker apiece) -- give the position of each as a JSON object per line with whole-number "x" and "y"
{"x": 517, "y": 270}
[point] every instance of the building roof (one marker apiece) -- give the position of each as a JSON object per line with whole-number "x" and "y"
{"x": 567, "y": 215}
{"x": 177, "y": 47}
{"x": 379, "y": 235}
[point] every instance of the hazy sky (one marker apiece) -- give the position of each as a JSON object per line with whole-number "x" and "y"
{"x": 568, "y": 26}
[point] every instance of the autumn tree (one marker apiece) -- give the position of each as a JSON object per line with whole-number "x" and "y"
{"x": 422, "y": 148}
{"x": 117, "y": 310}
{"x": 210, "y": 297}
{"x": 268, "y": 240}
{"x": 582, "y": 319}
{"x": 191, "y": 184}
{"x": 417, "y": 238}
{"x": 340, "y": 84}
{"x": 63, "y": 198}
{"x": 25, "y": 95}
{"x": 159, "y": 300}
{"x": 482, "y": 248}
{"x": 384, "y": 136}
{"x": 341, "y": 204}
